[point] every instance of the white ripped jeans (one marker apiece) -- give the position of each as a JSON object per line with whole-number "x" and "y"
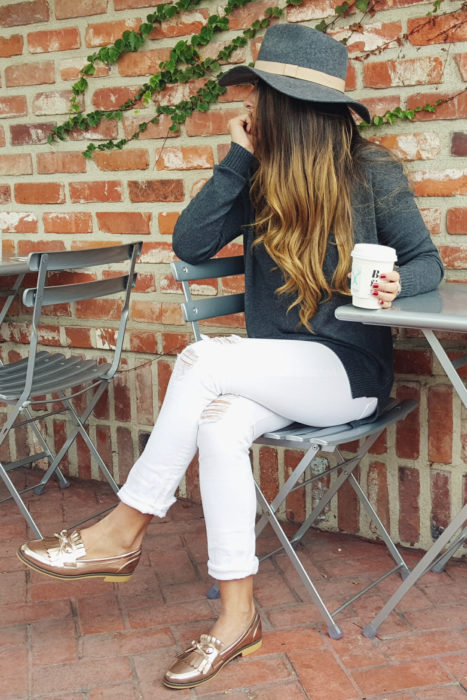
{"x": 223, "y": 394}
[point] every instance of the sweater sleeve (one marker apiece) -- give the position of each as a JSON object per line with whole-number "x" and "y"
{"x": 400, "y": 225}
{"x": 216, "y": 215}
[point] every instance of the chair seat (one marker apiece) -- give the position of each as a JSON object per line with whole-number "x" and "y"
{"x": 53, "y": 372}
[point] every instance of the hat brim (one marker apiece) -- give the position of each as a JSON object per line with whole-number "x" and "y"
{"x": 300, "y": 89}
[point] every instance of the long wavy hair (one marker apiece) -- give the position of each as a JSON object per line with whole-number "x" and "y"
{"x": 308, "y": 161}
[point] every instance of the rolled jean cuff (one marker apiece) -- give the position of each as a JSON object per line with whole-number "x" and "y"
{"x": 146, "y": 508}
{"x": 221, "y": 573}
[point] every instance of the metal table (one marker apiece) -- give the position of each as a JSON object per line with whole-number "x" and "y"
{"x": 444, "y": 309}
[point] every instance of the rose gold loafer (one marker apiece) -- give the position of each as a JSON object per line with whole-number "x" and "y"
{"x": 204, "y": 659}
{"x": 61, "y": 556}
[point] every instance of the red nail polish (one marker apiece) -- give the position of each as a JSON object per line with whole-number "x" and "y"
{"x": 375, "y": 294}
{"x": 381, "y": 301}
{"x": 375, "y": 286}
{"x": 382, "y": 277}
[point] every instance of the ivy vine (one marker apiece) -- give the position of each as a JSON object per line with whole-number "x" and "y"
{"x": 185, "y": 64}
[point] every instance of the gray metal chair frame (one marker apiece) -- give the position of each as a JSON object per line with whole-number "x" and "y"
{"x": 49, "y": 377}
{"x": 298, "y": 436}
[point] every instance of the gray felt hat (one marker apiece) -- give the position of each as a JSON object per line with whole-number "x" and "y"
{"x": 301, "y": 62}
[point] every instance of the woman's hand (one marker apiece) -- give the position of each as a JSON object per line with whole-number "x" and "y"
{"x": 240, "y": 131}
{"x": 387, "y": 288}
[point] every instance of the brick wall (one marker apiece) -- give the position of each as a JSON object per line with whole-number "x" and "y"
{"x": 53, "y": 198}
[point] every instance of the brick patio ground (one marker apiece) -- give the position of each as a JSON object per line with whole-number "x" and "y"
{"x": 91, "y": 640}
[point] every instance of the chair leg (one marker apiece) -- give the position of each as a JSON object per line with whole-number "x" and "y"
{"x": 334, "y": 630}
{"x": 64, "y": 483}
{"x": 441, "y": 562}
{"x": 422, "y": 567}
{"x": 19, "y": 501}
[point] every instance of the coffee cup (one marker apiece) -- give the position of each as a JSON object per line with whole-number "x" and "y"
{"x": 369, "y": 261}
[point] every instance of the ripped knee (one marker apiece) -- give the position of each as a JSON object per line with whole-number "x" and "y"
{"x": 216, "y": 409}
{"x": 192, "y": 353}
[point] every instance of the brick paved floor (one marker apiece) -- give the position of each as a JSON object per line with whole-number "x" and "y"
{"x": 93, "y": 640}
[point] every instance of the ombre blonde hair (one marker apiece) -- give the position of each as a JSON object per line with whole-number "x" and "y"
{"x": 301, "y": 192}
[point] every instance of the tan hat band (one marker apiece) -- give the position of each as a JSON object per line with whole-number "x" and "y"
{"x": 291, "y": 71}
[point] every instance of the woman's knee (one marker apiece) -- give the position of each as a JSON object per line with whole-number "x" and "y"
{"x": 223, "y": 426}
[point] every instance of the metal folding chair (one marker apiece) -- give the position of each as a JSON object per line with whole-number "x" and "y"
{"x": 50, "y": 377}
{"x": 298, "y": 436}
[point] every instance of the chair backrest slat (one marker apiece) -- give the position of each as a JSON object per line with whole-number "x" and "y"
{"x": 65, "y": 293}
{"x": 200, "y": 309}
{"x": 216, "y": 267}
{"x": 73, "y": 259}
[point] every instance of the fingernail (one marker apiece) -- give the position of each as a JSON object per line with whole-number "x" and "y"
{"x": 383, "y": 277}
{"x": 381, "y": 301}
{"x": 375, "y": 294}
{"x": 375, "y": 286}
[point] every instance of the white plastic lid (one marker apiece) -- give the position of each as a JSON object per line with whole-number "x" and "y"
{"x": 373, "y": 251}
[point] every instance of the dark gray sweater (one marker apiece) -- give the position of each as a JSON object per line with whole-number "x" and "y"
{"x": 384, "y": 212}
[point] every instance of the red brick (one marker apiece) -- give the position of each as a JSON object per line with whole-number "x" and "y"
{"x": 30, "y": 134}
{"x": 172, "y": 94}
{"x": 124, "y": 222}
{"x": 152, "y": 131}
{"x": 112, "y": 98}
{"x": 156, "y": 190}
{"x": 374, "y": 36}
{"x": 461, "y": 60}
{"x": 30, "y": 74}
{"x": 186, "y": 24}
{"x": 404, "y": 675}
{"x": 184, "y": 158}
{"x": 108, "y": 32}
{"x": 142, "y": 62}
{"x": 408, "y": 429}
{"x": 348, "y": 509}
{"x": 440, "y": 424}
{"x": 432, "y": 218}
{"x": 422, "y": 146}
{"x": 31, "y": 246}
{"x": 131, "y": 159}
{"x": 144, "y": 391}
{"x": 107, "y": 129}
{"x": 63, "y": 162}
{"x": 454, "y": 108}
{"x": 171, "y": 314}
{"x": 13, "y": 684}
{"x": 98, "y": 191}
{"x": 412, "y": 361}
{"x": 212, "y": 50}
{"x": 166, "y": 221}
{"x": 108, "y": 309}
{"x": 54, "y": 40}
{"x": 453, "y": 257}
{"x": 321, "y": 675}
{"x": 378, "y": 494}
{"x": 78, "y": 337}
{"x": 164, "y": 372}
{"x": 351, "y": 77}
{"x": 157, "y": 253}
{"x": 212, "y": 122}
{"x": 93, "y": 671}
{"x": 174, "y": 343}
{"x": 439, "y": 183}
{"x": 269, "y": 472}
{"x": 13, "y": 106}
{"x": 412, "y": 71}
{"x": 143, "y": 341}
{"x": 312, "y": 9}
{"x": 295, "y": 503}
{"x": 70, "y": 69}
{"x": 5, "y": 194}
{"x": 378, "y": 106}
{"x": 45, "y": 103}
{"x": 409, "y": 510}
{"x": 198, "y": 186}
{"x": 39, "y": 193}
{"x": 13, "y": 46}
{"x": 16, "y": 164}
{"x": 76, "y": 222}
{"x": 124, "y": 452}
{"x": 2, "y": 137}
{"x": 440, "y": 500}
{"x": 134, "y": 4}
{"x": 459, "y": 144}
{"x": 15, "y": 222}
{"x": 65, "y": 9}
{"x": 456, "y": 221}
{"x": 446, "y": 28}
{"x": 13, "y": 15}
